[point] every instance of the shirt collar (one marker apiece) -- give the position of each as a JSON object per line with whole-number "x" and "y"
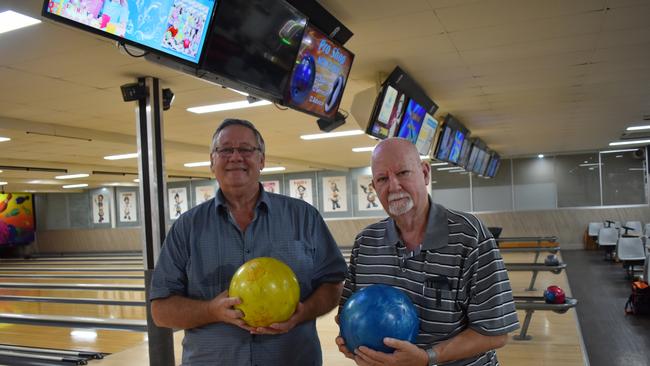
{"x": 437, "y": 230}
{"x": 263, "y": 200}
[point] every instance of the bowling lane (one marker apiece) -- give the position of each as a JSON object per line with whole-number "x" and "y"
{"x": 73, "y": 280}
{"x": 91, "y": 294}
{"x": 107, "y": 341}
{"x": 82, "y": 310}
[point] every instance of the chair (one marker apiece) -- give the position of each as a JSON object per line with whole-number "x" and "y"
{"x": 607, "y": 238}
{"x": 594, "y": 227}
{"x": 631, "y": 251}
{"x": 635, "y": 228}
{"x": 646, "y": 230}
{"x": 645, "y": 268}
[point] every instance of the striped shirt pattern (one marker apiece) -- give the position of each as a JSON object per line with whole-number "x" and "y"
{"x": 455, "y": 282}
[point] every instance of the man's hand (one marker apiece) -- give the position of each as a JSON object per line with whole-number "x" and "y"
{"x": 221, "y": 307}
{"x": 284, "y": 327}
{"x": 406, "y": 354}
{"x": 340, "y": 342}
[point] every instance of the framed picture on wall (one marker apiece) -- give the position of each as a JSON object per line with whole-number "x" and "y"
{"x": 301, "y": 189}
{"x": 203, "y": 194}
{"x": 101, "y": 209}
{"x": 128, "y": 207}
{"x": 367, "y": 197}
{"x": 272, "y": 186}
{"x": 335, "y": 194}
{"x": 177, "y": 202}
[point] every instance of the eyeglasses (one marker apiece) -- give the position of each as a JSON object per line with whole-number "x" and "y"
{"x": 226, "y": 152}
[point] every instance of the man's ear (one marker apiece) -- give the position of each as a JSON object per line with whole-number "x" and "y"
{"x": 426, "y": 170}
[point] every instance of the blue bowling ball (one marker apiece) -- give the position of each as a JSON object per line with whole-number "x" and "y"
{"x": 302, "y": 79}
{"x": 376, "y": 312}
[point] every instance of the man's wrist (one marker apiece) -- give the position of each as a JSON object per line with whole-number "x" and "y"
{"x": 433, "y": 357}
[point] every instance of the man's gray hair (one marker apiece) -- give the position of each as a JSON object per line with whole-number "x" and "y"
{"x": 238, "y": 122}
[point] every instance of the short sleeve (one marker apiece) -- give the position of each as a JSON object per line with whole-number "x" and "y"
{"x": 491, "y": 309}
{"x": 169, "y": 275}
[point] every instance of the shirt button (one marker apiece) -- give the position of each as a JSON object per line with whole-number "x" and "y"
{"x": 248, "y": 251}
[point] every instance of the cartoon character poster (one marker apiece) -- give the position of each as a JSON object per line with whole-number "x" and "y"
{"x": 335, "y": 194}
{"x": 367, "y": 196}
{"x": 203, "y": 194}
{"x": 301, "y": 189}
{"x": 271, "y": 186}
{"x": 128, "y": 207}
{"x": 177, "y": 198}
{"x": 101, "y": 208}
{"x": 16, "y": 219}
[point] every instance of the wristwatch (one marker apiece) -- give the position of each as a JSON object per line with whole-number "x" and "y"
{"x": 433, "y": 356}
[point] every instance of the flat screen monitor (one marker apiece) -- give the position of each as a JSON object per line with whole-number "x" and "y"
{"x": 464, "y": 153}
{"x": 411, "y": 121}
{"x": 451, "y": 142}
{"x": 319, "y": 75}
{"x": 174, "y": 28}
{"x": 484, "y": 163}
{"x": 456, "y": 146}
{"x": 493, "y": 165}
{"x": 476, "y": 168}
{"x": 389, "y": 111}
{"x": 253, "y": 45}
{"x": 427, "y": 135}
{"x": 473, "y": 155}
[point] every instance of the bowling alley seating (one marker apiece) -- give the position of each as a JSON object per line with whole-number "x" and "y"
{"x": 532, "y": 303}
{"x": 593, "y": 229}
{"x": 632, "y": 253}
{"x": 634, "y": 228}
{"x": 607, "y": 239}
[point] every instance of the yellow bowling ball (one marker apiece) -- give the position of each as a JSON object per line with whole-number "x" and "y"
{"x": 268, "y": 289}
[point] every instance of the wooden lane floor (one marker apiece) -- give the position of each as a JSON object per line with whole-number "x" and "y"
{"x": 89, "y": 294}
{"x": 556, "y": 337}
{"x": 105, "y": 341}
{"x": 82, "y": 310}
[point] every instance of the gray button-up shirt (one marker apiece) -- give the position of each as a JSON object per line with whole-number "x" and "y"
{"x": 205, "y": 247}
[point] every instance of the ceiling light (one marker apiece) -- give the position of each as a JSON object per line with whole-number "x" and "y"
{"x": 136, "y": 180}
{"x": 638, "y": 128}
{"x": 540, "y": 156}
{"x": 227, "y": 106}
{"x": 331, "y": 134}
{"x": 3, "y": 183}
{"x": 71, "y": 176}
{"x": 363, "y": 149}
{"x": 630, "y": 142}
{"x": 592, "y": 164}
{"x": 121, "y": 156}
{"x": 448, "y": 168}
{"x": 38, "y": 181}
{"x": 10, "y": 20}
{"x": 3, "y": 139}
{"x": 616, "y": 151}
{"x": 636, "y": 169}
{"x": 75, "y": 185}
{"x": 424, "y": 157}
{"x": 0, "y": 171}
{"x": 438, "y": 164}
{"x": 198, "y": 163}
{"x": 273, "y": 169}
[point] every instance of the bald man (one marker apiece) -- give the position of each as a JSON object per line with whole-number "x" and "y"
{"x": 446, "y": 261}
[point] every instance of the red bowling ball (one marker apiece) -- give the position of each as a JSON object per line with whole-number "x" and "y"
{"x": 554, "y": 295}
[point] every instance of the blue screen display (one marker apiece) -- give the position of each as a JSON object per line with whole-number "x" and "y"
{"x": 412, "y": 121}
{"x": 174, "y": 27}
{"x": 456, "y": 146}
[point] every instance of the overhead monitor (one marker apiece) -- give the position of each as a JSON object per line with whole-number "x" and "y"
{"x": 427, "y": 136}
{"x": 388, "y": 115}
{"x": 175, "y": 28}
{"x": 411, "y": 121}
{"x": 451, "y": 143}
{"x": 252, "y": 46}
{"x": 464, "y": 152}
{"x": 319, "y": 75}
{"x": 493, "y": 165}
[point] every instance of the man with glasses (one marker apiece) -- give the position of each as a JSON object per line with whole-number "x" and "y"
{"x": 446, "y": 261}
{"x": 207, "y": 244}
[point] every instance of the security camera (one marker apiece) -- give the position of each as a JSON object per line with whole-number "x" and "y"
{"x": 167, "y": 98}
{"x": 134, "y": 91}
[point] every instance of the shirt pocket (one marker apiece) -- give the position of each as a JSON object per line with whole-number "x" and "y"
{"x": 442, "y": 310}
{"x": 299, "y": 255}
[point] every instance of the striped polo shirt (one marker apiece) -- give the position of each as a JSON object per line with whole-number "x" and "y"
{"x": 456, "y": 280}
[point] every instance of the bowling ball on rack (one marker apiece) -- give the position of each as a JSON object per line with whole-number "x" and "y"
{"x": 269, "y": 291}
{"x": 376, "y": 312}
{"x": 554, "y": 295}
{"x": 551, "y": 260}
